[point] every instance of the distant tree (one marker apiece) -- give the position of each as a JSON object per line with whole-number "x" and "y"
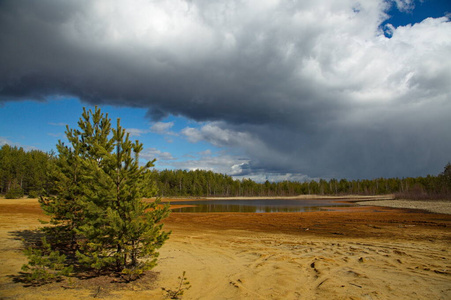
{"x": 6, "y": 168}
{"x": 447, "y": 170}
{"x": 446, "y": 178}
{"x": 15, "y": 191}
{"x": 37, "y": 165}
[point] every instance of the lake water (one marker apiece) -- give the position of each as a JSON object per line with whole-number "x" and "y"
{"x": 258, "y": 206}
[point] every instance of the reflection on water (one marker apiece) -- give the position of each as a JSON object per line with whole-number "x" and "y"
{"x": 257, "y": 206}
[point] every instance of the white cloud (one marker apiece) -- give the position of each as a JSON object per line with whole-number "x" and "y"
{"x": 158, "y": 127}
{"x": 275, "y": 177}
{"x": 405, "y": 5}
{"x": 152, "y": 153}
{"x": 222, "y": 163}
{"x": 162, "y": 127}
{"x": 215, "y": 134}
{"x": 192, "y": 134}
{"x": 136, "y": 131}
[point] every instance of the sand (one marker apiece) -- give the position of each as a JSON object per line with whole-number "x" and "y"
{"x": 441, "y": 207}
{"x": 367, "y": 253}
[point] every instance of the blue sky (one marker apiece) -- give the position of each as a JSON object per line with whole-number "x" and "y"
{"x": 279, "y": 90}
{"x": 39, "y": 125}
{"x": 416, "y": 11}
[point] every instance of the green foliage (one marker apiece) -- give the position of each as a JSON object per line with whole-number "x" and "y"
{"x": 134, "y": 272}
{"x": 178, "y": 292}
{"x": 34, "y": 194}
{"x": 21, "y": 170}
{"x": 206, "y": 183}
{"x": 98, "y": 198}
{"x": 97, "y": 259}
{"x": 59, "y": 235}
{"x": 44, "y": 264}
{"x": 15, "y": 192}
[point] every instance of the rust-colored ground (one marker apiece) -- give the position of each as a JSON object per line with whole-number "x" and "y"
{"x": 359, "y": 222}
{"x": 352, "y": 222}
{"x": 349, "y": 253}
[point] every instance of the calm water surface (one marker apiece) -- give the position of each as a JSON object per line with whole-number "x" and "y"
{"x": 258, "y": 206}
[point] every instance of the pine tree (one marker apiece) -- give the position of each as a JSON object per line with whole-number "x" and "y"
{"x": 68, "y": 174}
{"x": 99, "y": 198}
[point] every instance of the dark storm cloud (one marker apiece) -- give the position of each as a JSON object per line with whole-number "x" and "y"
{"x": 50, "y": 49}
{"x": 301, "y": 88}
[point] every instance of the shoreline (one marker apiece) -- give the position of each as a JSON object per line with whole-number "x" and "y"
{"x": 351, "y": 198}
{"x": 433, "y": 206}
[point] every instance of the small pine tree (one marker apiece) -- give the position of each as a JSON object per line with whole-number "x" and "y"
{"x": 99, "y": 198}
{"x": 45, "y": 264}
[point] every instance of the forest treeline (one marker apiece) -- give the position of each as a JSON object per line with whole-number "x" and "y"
{"x": 26, "y": 173}
{"x": 23, "y": 172}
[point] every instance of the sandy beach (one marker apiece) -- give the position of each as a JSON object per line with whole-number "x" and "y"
{"x": 441, "y": 207}
{"x": 368, "y": 252}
